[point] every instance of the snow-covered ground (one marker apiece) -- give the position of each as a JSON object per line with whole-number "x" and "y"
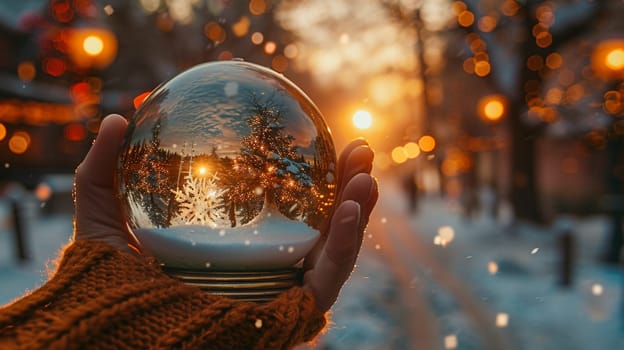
{"x": 514, "y": 273}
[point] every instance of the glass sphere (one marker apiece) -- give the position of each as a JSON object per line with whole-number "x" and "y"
{"x": 227, "y": 166}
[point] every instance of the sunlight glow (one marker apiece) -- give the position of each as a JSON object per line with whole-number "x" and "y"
{"x": 362, "y": 119}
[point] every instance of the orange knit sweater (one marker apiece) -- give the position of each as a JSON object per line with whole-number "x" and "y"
{"x": 100, "y": 298}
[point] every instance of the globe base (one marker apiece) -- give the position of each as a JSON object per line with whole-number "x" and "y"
{"x": 256, "y": 286}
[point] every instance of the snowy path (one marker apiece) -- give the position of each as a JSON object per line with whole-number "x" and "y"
{"x": 420, "y": 270}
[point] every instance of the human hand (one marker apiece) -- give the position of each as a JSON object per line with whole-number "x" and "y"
{"x": 330, "y": 263}
{"x": 98, "y": 211}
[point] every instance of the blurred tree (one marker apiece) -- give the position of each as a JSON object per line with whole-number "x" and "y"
{"x": 517, "y": 39}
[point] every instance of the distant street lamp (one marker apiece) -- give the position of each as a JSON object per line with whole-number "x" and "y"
{"x": 492, "y": 108}
{"x": 608, "y": 59}
{"x": 92, "y": 47}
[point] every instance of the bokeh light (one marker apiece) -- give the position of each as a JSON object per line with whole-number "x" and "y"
{"x": 19, "y": 142}
{"x": 93, "y": 45}
{"x": 426, "y": 143}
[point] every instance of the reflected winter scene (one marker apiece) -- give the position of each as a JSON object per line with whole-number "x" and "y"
{"x": 219, "y": 151}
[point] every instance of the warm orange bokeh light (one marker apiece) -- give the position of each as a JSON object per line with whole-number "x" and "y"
{"x": 257, "y": 38}
{"x": 215, "y": 32}
{"x": 494, "y": 110}
{"x": 26, "y": 71}
{"x": 3, "y": 131}
{"x": 491, "y": 107}
{"x": 482, "y": 68}
{"x": 607, "y": 60}
{"x": 412, "y": 149}
{"x": 270, "y": 47}
{"x": 554, "y": 60}
{"x": 74, "y": 132}
{"x": 465, "y": 18}
{"x": 93, "y": 45}
{"x": 615, "y": 59}
{"x": 426, "y": 143}
{"x": 43, "y": 192}
{"x": 399, "y": 155}
{"x": 257, "y": 7}
{"x": 19, "y": 142}
{"x": 241, "y": 27}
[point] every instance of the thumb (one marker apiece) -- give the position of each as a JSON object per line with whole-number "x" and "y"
{"x": 97, "y": 210}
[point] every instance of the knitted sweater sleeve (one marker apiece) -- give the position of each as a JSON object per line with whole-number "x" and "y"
{"x": 102, "y": 298}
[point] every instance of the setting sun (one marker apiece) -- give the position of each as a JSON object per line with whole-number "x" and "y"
{"x": 362, "y": 119}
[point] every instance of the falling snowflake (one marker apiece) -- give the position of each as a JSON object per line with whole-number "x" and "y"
{"x": 199, "y": 202}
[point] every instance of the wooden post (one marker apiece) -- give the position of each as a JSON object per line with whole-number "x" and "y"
{"x": 19, "y": 230}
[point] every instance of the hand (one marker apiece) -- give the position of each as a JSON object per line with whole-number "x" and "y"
{"x": 98, "y": 211}
{"x": 331, "y": 261}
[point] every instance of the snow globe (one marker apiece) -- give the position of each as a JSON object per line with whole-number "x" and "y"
{"x": 225, "y": 176}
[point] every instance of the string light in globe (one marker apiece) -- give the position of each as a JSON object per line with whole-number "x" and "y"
{"x": 226, "y": 173}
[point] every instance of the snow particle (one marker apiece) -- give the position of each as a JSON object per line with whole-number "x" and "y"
{"x": 502, "y": 320}
{"x": 258, "y": 323}
{"x": 450, "y": 341}
{"x": 492, "y": 268}
{"x": 222, "y": 233}
{"x": 291, "y": 249}
{"x": 255, "y": 232}
{"x": 281, "y": 248}
{"x": 384, "y": 220}
{"x": 597, "y": 289}
{"x": 377, "y": 246}
{"x": 370, "y": 236}
{"x": 247, "y": 242}
{"x": 329, "y": 177}
{"x": 109, "y": 10}
{"x": 7, "y": 165}
{"x": 469, "y": 257}
{"x": 231, "y": 89}
{"x": 445, "y": 236}
{"x": 534, "y": 251}
{"x": 207, "y": 264}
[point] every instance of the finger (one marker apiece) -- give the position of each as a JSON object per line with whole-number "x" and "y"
{"x": 337, "y": 259}
{"x": 360, "y": 160}
{"x": 97, "y": 210}
{"x": 99, "y": 165}
{"x": 344, "y": 155}
{"x": 363, "y": 189}
{"x": 356, "y": 157}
